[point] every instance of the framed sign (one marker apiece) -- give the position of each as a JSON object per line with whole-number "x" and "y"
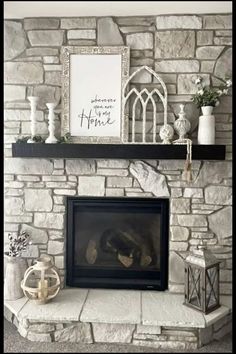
{"x": 92, "y": 83}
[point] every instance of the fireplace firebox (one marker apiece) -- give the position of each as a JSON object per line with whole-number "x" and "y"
{"x": 117, "y": 242}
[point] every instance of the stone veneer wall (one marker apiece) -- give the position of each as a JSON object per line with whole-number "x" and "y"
{"x": 179, "y": 48}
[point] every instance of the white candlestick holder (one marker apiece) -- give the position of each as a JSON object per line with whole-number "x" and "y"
{"x": 33, "y": 104}
{"x": 51, "y": 124}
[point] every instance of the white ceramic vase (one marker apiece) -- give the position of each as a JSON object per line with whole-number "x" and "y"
{"x": 206, "y": 130}
{"x": 33, "y": 104}
{"x": 15, "y": 268}
{"x": 51, "y": 124}
{"x": 207, "y": 110}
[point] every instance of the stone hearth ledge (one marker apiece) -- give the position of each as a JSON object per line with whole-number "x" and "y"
{"x": 156, "y": 319}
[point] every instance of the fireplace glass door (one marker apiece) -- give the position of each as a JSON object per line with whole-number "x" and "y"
{"x": 117, "y": 242}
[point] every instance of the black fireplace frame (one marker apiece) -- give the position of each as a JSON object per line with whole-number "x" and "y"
{"x": 86, "y": 277}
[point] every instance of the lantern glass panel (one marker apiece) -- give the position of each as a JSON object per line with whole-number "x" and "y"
{"x": 211, "y": 287}
{"x": 195, "y": 286}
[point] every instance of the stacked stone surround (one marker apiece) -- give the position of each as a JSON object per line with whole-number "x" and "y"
{"x": 179, "y": 48}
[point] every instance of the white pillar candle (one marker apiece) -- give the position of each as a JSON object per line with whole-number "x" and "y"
{"x": 51, "y": 124}
{"x": 33, "y": 104}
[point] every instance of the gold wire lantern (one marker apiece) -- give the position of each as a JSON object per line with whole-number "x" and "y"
{"x": 202, "y": 280}
{"x": 41, "y": 281}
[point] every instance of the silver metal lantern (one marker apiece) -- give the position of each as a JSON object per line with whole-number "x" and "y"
{"x": 202, "y": 280}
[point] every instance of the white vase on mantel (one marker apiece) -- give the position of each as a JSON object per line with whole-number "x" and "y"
{"x": 206, "y": 127}
{"x": 51, "y": 124}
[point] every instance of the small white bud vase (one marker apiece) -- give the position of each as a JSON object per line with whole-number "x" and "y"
{"x": 51, "y": 124}
{"x": 182, "y": 124}
{"x": 206, "y": 130}
{"x": 166, "y": 134}
{"x": 33, "y": 104}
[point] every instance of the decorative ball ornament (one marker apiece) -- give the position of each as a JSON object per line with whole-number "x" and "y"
{"x": 166, "y": 133}
{"x": 41, "y": 281}
{"x": 182, "y": 124}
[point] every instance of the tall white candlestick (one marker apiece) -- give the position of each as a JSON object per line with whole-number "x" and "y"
{"x": 51, "y": 126}
{"x": 33, "y": 103}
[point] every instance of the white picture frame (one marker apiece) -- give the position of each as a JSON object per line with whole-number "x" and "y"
{"x": 92, "y": 82}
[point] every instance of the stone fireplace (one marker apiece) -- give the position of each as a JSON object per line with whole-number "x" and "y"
{"x": 117, "y": 242}
{"x": 36, "y": 189}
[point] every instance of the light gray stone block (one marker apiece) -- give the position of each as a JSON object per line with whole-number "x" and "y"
{"x": 122, "y": 306}
{"x": 53, "y": 78}
{"x": 15, "y": 41}
{"x": 186, "y": 83}
{"x": 140, "y": 41}
{"x": 115, "y": 192}
{"x": 223, "y": 67}
{"x": 36, "y": 235}
{"x": 174, "y": 21}
{"x": 214, "y": 172}
{"x": 181, "y": 44}
{"x": 204, "y": 37}
{"x": 14, "y": 93}
{"x": 219, "y": 195}
{"x": 82, "y": 42}
{"x": 65, "y": 191}
{"x": 26, "y": 166}
{"x": 179, "y": 233}
{"x": 112, "y": 172}
{"x": 79, "y": 333}
{"x": 81, "y": 34}
{"x": 80, "y": 167}
{"x": 59, "y": 262}
{"x": 93, "y": 186}
{"x": 82, "y": 22}
{"x": 119, "y": 182}
{"x": 221, "y": 223}
{"x": 46, "y": 38}
{"x": 192, "y": 220}
{"x": 38, "y": 200}
{"x": 65, "y": 307}
{"x": 207, "y": 66}
{"x": 41, "y": 128}
{"x": 209, "y": 52}
{"x": 49, "y": 220}
{"x": 112, "y": 333}
{"x": 223, "y": 41}
{"x": 217, "y": 21}
{"x": 150, "y": 179}
{"x": 55, "y": 247}
{"x": 108, "y": 32}
{"x": 41, "y": 51}
{"x": 111, "y": 163}
{"x": 31, "y": 252}
{"x": 41, "y": 23}
{"x": 178, "y": 246}
{"x": 169, "y": 66}
{"x": 51, "y": 60}
{"x": 135, "y": 21}
{"x": 176, "y": 268}
{"x": 133, "y": 29}
{"x": 193, "y": 193}
{"x": 13, "y": 206}
{"x": 180, "y": 205}
{"x": 41, "y": 327}
{"x": 164, "y": 309}
{"x": 21, "y": 115}
{"x": 141, "y": 329}
{"x": 39, "y": 337}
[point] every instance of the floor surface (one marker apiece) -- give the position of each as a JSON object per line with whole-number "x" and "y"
{"x": 14, "y": 343}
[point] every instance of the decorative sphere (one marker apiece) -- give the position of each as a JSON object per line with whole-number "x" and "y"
{"x": 166, "y": 133}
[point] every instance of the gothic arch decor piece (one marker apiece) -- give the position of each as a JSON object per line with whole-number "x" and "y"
{"x": 132, "y": 98}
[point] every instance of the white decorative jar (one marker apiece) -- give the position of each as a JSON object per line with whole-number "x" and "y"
{"x": 182, "y": 124}
{"x": 206, "y": 130}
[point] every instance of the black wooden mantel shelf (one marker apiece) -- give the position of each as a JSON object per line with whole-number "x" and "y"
{"x": 115, "y": 151}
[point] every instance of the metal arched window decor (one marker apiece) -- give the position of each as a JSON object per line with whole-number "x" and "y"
{"x": 166, "y": 131}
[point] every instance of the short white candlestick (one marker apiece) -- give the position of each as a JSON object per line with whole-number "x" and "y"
{"x": 33, "y": 103}
{"x": 51, "y": 125}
